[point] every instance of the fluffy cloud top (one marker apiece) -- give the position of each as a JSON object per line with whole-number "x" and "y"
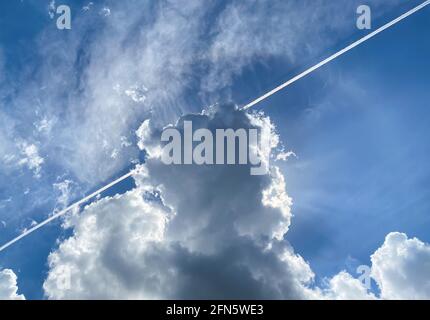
{"x": 8, "y": 286}
{"x": 401, "y": 268}
{"x": 343, "y": 286}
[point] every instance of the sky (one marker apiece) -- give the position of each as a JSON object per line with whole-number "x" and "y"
{"x": 81, "y": 107}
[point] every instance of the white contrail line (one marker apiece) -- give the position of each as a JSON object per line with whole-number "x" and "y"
{"x": 249, "y": 105}
{"x": 64, "y": 211}
{"x": 336, "y": 55}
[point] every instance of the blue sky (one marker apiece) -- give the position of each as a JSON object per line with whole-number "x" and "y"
{"x": 368, "y": 153}
{"x": 358, "y": 125}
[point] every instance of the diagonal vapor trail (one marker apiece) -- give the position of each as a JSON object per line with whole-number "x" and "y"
{"x": 249, "y": 105}
{"x": 64, "y": 211}
{"x": 336, "y": 55}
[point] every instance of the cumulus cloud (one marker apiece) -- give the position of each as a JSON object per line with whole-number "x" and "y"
{"x": 267, "y": 214}
{"x": 185, "y": 232}
{"x": 343, "y": 286}
{"x": 210, "y": 231}
{"x": 284, "y": 155}
{"x": 106, "y": 256}
{"x": 401, "y": 268}
{"x": 8, "y": 286}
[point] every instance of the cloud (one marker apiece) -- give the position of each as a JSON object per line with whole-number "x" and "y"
{"x": 343, "y": 286}
{"x": 105, "y": 11}
{"x": 65, "y": 189}
{"x": 51, "y": 9}
{"x": 8, "y": 286}
{"x": 88, "y": 6}
{"x": 401, "y": 268}
{"x": 107, "y": 249}
{"x": 292, "y": 30}
{"x": 16, "y": 155}
{"x": 201, "y": 232}
{"x": 30, "y": 158}
{"x": 185, "y": 232}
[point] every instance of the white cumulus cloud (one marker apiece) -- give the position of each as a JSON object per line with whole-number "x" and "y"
{"x": 343, "y": 286}
{"x": 8, "y": 286}
{"x": 185, "y": 232}
{"x": 199, "y": 232}
{"x": 401, "y": 268}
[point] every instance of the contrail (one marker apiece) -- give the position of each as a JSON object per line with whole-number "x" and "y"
{"x": 336, "y": 55}
{"x": 249, "y": 105}
{"x": 64, "y": 211}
